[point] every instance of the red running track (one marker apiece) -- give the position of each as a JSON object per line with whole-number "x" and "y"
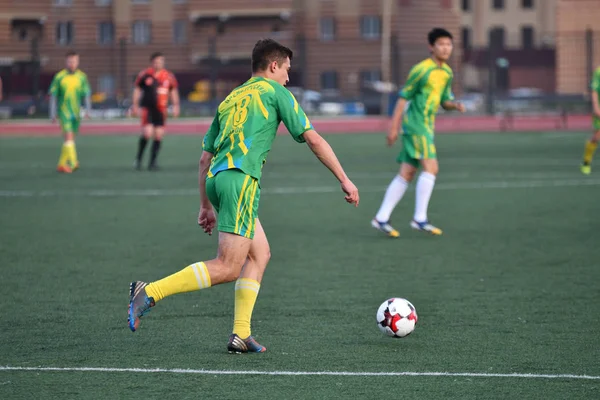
{"x": 323, "y": 125}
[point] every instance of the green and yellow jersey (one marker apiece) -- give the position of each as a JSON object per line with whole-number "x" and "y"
{"x": 70, "y": 88}
{"x": 428, "y": 86}
{"x": 595, "y": 86}
{"x": 246, "y": 123}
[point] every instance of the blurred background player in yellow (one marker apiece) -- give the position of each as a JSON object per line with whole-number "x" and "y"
{"x": 67, "y": 89}
{"x": 428, "y": 86}
{"x": 592, "y": 143}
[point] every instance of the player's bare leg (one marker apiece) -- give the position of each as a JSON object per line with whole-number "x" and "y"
{"x": 393, "y": 195}
{"x": 159, "y": 132}
{"x": 588, "y": 153}
{"x": 246, "y": 293}
{"x": 68, "y": 162}
{"x": 147, "y": 131}
{"x": 424, "y": 188}
{"x": 226, "y": 267}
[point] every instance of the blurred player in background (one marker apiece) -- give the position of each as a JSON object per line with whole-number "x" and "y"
{"x": 592, "y": 143}
{"x": 68, "y": 88}
{"x": 153, "y": 87}
{"x": 234, "y": 151}
{"x": 428, "y": 86}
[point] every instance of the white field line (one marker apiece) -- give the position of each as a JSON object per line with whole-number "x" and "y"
{"x": 297, "y": 373}
{"x": 296, "y": 189}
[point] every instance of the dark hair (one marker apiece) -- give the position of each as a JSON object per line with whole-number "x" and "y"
{"x": 437, "y": 33}
{"x": 266, "y": 51}
{"x": 155, "y": 55}
{"x": 71, "y": 54}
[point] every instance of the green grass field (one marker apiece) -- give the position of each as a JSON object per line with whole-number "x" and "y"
{"x": 511, "y": 287}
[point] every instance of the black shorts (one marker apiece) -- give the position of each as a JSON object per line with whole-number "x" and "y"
{"x": 153, "y": 116}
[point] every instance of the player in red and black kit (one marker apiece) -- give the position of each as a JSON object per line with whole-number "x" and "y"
{"x": 153, "y": 87}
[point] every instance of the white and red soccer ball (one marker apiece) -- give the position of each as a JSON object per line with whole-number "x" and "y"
{"x": 397, "y": 317}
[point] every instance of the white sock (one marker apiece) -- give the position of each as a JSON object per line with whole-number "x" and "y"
{"x": 393, "y": 195}
{"x": 424, "y": 188}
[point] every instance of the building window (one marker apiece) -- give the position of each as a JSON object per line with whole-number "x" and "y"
{"x": 179, "y": 31}
{"x": 497, "y": 38}
{"x": 498, "y": 4}
{"x": 103, "y": 3}
{"x": 329, "y": 80}
{"x": 327, "y": 28}
{"x": 142, "y": 31}
{"x": 527, "y": 37}
{"x": 370, "y": 27}
{"x": 527, "y": 4}
{"x": 63, "y": 3}
{"x": 466, "y": 5}
{"x": 106, "y": 85}
{"x": 64, "y": 33}
{"x": 466, "y": 37}
{"x": 106, "y": 33}
{"x": 369, "y": 76}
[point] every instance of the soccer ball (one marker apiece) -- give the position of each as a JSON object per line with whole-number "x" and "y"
{"x": 397, "y": 317}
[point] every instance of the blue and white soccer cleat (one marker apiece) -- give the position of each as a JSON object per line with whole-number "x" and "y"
{"x": 139, "y": 304}
{"x": 385, "y": 227}
{"x": 238, "y": 345}
{"x": 425, "y": 227}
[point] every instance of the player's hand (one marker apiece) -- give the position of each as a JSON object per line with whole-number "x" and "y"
{"x": 392, "y": 136}
{"x": 135, "y": 111}
{"x": 461, "y": 107}
{"x": 351, "y": 192}
{"x": 207, "y": 219}
{"x": 176, "y": 111}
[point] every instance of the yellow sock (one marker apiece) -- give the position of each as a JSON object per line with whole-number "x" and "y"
{"x": 191, "y": 278}
{"x": 588, "y": 152}
{"x": 71, "y": 152}
{"x": 64, "y": 155}
{"x": 246, "y": 292}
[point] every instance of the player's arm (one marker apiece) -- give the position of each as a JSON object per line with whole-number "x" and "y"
{"x": 206, "y": 216}
{"x": 595, "y": 89}
{"x": 175, "y": 96}
{"x": 299, "y": 126}
{"x": 135, "y": 101}
{"x": 88, "y": 96}
{"x": 137, "y": 95}
{"x": 53, "y": 91}
{"x": 448, "y": 101}
{"x": 596, "y": 103}
{"x": 396, "y": 121}
{"x": 410, "y": 89}
{"x": 326, "y": 155}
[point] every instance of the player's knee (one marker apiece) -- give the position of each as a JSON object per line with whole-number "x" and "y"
{"x": 231, "y": 269}
{"x": 408, "y": 176}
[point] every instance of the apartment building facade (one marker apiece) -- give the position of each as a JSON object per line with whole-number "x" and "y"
{"x": 340, "y": 44}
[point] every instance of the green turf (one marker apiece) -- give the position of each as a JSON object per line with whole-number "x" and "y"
{"x": 510, "y": 288}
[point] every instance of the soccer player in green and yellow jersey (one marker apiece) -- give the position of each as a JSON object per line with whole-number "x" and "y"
{"x": 69, "y": 87}
{"x": 234, "y": 152}
{"x": 592, "y": 143}
{"x": 429, "y": 85}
